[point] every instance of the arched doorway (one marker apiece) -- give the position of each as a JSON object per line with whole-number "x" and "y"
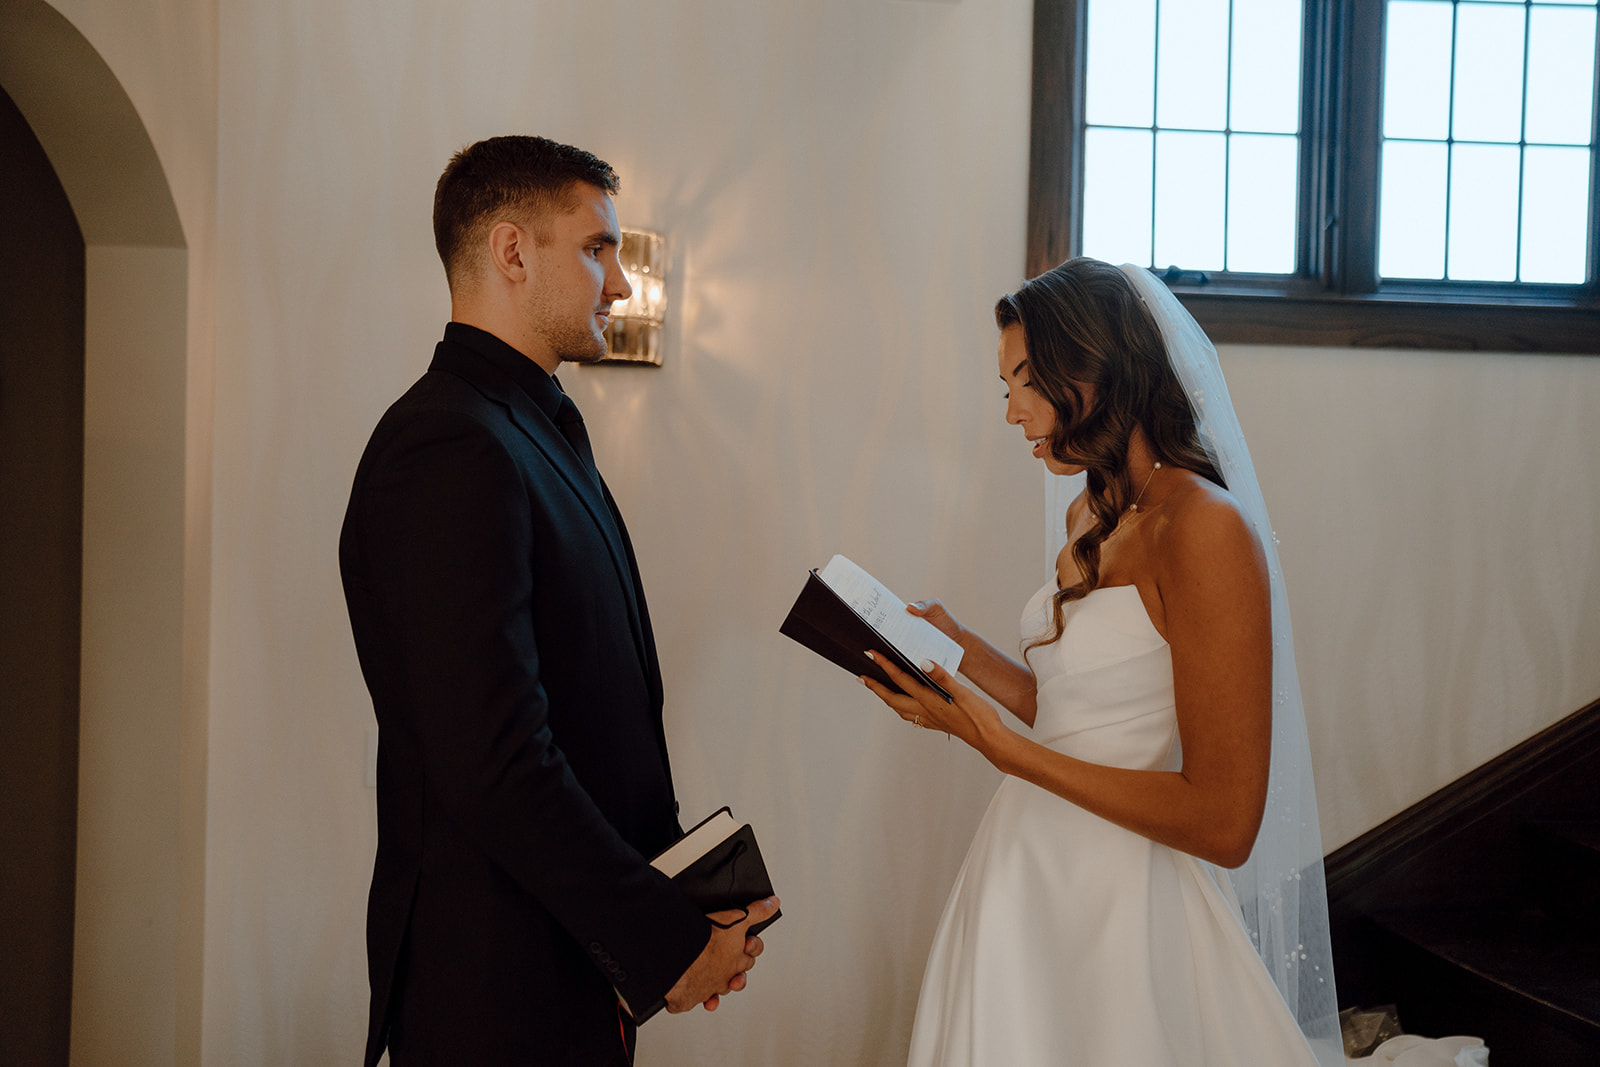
{"x": 41, "y": 527}
{"x": 139, "y": 880}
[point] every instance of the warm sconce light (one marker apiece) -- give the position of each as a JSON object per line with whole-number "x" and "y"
{"x": 634, "y": 333}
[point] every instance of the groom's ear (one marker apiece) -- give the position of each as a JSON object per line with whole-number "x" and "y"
{"x": 510, "y": 249}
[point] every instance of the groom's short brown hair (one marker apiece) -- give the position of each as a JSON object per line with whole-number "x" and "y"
{"x": 523, "y": 179}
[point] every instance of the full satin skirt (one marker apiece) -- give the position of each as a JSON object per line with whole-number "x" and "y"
{"x": 1072, "y": 942}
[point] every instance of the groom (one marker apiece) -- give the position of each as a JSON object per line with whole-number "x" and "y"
{"x": 503, "y": 635}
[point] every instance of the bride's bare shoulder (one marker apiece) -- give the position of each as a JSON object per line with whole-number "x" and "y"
{"x": 1204, "y": 526}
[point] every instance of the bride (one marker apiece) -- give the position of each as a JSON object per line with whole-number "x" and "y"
{"x": 1146, "y": 886}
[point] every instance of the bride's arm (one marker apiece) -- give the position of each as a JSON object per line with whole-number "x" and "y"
{"x": 1010, "y": 683}
{"x": 1212, "y": 580}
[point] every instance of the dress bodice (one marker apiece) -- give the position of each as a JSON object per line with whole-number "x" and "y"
{"x": 1069, "y": 941}
{"x": 1105, "y": 688}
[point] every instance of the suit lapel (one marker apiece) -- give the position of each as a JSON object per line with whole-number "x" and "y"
{"x": 547, "y": 437}
{"x": 647, "y": 644}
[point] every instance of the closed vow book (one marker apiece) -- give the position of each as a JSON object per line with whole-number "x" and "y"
{"x": 843, "y": 613}
{"x": 718, "y": 865}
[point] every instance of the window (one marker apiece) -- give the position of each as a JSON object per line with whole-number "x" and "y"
{"x": 1190, "y": 153}
{"x": 1384, "y": 172}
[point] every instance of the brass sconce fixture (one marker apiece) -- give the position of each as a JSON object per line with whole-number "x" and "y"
{"x": 634, "y": 332}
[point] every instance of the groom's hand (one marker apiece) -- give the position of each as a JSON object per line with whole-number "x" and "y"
{"x": 723, "y": 963}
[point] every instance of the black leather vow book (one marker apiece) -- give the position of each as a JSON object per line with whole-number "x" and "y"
{"x": 718, "y": 865}
{"x": 824, "y": 622}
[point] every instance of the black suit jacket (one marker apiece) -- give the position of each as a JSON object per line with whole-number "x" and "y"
{"x": 522, "y": 767}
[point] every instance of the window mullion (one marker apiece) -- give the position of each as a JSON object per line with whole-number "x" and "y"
{"x": 1227, "y": 138}
{"x": 1360, "y": 47}
{"x": 1593, "y": 286}
{"x": 1450, "y": 131}
{"x": 1321, "y": 118}
{"x": 1155, "y": 128}
{"x": 1522, "y": 132}
{"x": 1055, "y": 159}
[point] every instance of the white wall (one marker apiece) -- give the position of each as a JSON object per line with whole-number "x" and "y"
{"x": 1437, "y": 517}
{"x": 843, "y": 187}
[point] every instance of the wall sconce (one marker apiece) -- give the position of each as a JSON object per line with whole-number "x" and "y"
{"x": 634, "y": 333}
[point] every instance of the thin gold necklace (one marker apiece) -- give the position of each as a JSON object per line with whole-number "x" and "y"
{"x": 1135, "y": 505}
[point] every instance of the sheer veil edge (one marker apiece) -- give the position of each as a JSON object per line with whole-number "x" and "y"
{"x": 1281, "y": 890}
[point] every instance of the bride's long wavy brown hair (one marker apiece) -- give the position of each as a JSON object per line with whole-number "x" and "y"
{"x": 1084, "y": 325}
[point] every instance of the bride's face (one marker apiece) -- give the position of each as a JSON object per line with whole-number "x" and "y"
{"x": 1027, "y": 407}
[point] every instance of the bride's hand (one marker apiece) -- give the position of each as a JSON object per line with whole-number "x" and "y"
{"x": 935, "y": 612}
{"x": 967, "y": 716}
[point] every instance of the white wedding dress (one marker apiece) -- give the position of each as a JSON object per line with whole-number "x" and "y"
{"x": 1068, "y": 940}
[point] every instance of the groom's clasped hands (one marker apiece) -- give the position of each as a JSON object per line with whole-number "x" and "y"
{"x": 726, "y": 960}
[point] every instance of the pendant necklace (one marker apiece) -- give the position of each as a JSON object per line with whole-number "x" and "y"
{"x": 1135, "y": 505}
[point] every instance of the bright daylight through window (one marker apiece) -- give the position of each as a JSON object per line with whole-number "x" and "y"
{"x": 1191, "y": 155}
{"x": 1196, "y": 136}
{"x": 1487, "y": 140}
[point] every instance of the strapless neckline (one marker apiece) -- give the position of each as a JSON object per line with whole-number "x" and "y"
{"x": 1069, "y": 940}
{"x": 1050, "y": 588}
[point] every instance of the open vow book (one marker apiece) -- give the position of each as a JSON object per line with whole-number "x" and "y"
{"x": 718, "y": 865}
{"x": 843, "y": 613}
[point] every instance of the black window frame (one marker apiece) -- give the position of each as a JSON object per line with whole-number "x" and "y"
{"x": 1335, "y": 298}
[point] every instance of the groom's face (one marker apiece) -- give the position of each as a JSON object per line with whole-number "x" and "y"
{"x": 575, "y": 277}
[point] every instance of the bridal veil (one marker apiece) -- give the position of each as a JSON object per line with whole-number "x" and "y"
{"x": 1280, "y": 889}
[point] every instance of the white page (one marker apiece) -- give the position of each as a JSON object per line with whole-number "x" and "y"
{"x": 917, "y": 639}
{"x": 696, "y": 843}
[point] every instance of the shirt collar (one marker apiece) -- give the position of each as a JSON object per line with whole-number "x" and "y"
{"x": 542, "y": 388}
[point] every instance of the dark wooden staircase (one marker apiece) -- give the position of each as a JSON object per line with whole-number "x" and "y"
{"x": 1477, "y": 910}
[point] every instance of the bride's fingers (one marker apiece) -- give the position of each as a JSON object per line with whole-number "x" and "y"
{"x": 945, "y": 680}
{"x": 932, "y": 610}
{"x": 906, "y": 706}
{"x": 928, "y": 698}
{"x": 899, "y": 703}
{"x": 925, "y": 698}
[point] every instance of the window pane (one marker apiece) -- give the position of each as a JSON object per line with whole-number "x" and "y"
{"x": 1192, "y": 82}
{"x": 1560, "y": 74}
{"x": 1189, "y": 200}
{"x": 1555, "y": 214}
{"x": 1116, "y": 195}
{"x": 1483, "y": 212}
{"x": 1265, "y": 96}
{"x": 1488, "y": 103}
{"x": 1411, "y": 211}
{"x": 1416, "y": 71}
{"x": 1261, "y": 203}
{"x": 1120, "y": 83}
